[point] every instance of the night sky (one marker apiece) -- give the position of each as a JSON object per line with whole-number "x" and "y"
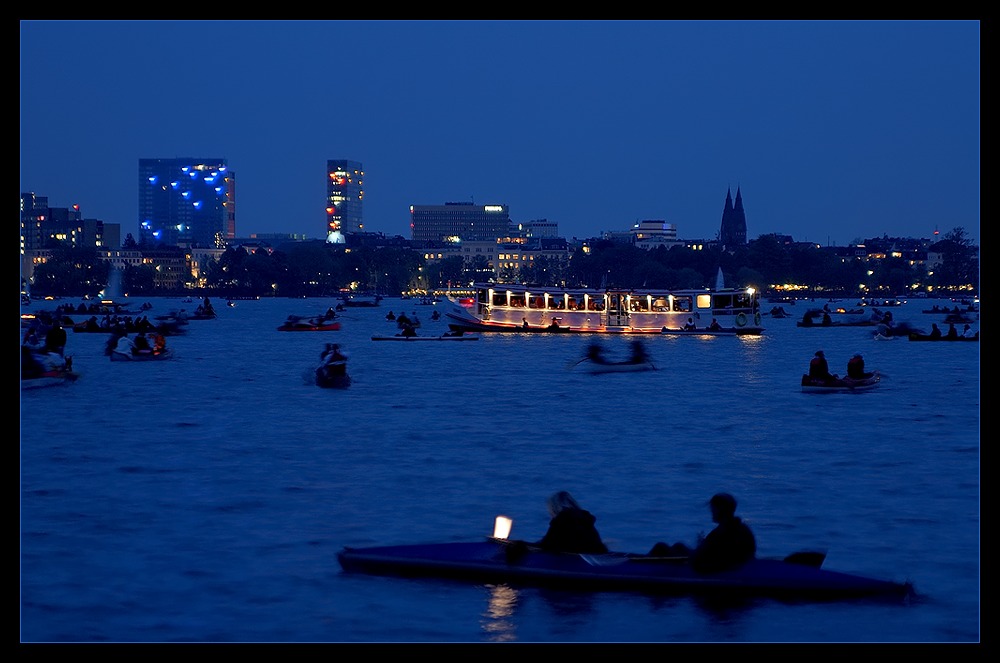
{"x": 833, "y": 130}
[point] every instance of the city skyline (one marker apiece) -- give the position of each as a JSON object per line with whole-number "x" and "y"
{"x": 834, "y": 130}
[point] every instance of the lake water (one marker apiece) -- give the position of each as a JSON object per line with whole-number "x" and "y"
{"x": 204, "y": 498}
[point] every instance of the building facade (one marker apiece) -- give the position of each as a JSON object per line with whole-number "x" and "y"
{"x": 651, "y": 233}
{"x": 186, "y": 202}
{"x": 344, "y": 197}
{"x": 455, "y": 222}
{"x": 44, "y": 228}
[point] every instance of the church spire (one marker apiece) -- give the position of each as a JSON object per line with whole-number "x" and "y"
{"x": 734, "y": 223}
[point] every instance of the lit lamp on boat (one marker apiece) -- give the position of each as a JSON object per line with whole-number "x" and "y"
{"x": 501, "y": 527}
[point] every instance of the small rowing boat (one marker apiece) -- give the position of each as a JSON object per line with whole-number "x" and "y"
{"x": 844, "y": 384}
{"x": 600, "y": 367}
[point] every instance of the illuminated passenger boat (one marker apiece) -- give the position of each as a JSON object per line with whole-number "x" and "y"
{"x": 521, "y": 308}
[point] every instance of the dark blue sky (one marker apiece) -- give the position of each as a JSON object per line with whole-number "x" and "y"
{"x": 834, "y": 130}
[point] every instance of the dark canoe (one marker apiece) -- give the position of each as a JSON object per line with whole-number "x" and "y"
{"x": 309, "y": 326}
{"x": 496, "y": 327}
{"x": 498, "y": 561}
{"x": 928, "y": 337}
{"x": 599, "y": 367}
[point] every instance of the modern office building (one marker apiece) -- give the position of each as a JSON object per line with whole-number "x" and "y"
{"x": 456, "y": 222}
{"x": 45, "y": 228}
{"x": 187, "y": 202}
{"x": 344, "y": 196}
{"x": 651, "y": 233}
{"x": 734, "y": 222}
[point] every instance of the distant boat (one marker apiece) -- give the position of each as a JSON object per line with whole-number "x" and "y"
{"x": 447, "y": 336}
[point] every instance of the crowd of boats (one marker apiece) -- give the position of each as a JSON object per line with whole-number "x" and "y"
{"x": 519, "y": 309}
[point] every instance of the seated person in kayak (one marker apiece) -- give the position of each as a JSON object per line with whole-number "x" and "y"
{"x": 715, "y": 326}
{"x": 689, "y": 325}
{"x": 571, "y": 528}
{"x": 728, "y": 546}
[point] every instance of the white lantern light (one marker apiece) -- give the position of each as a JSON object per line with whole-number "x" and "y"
{"x": 501, "y": 527}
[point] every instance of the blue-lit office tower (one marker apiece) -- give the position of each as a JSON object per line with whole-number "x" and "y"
{"x": 344, "y": 195}
{"x": 187, "y": 202}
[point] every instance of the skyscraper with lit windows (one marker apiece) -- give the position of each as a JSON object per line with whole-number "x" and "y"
{"x": 187, "y": 202}
{"x": 344, "y": 195}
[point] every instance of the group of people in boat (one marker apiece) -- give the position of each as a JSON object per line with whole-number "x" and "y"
{"x": 819, "y": 369}
{"x": 638, "y": 353}
{"x": 952, "y": 332}
{"x": 143, "y": 343}
{"x": 205, "y": 309}
{"x": 573, "y": 529}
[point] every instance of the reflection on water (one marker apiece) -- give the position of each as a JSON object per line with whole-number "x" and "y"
{"x": 498, "y": 623}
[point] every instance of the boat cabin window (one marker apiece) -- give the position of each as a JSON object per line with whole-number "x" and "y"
{"x": 574, "y": 303}
{"x": 723, "y": 301}
{"x": 557, "y": 303}
{"x": 499, "y": 299}
{"x": 595, "y": 304}
{"x": 517, "y": 300}
{"x": 660, "y": 304}
{"x": 743, "y": 300}
{"x": 536, "y": 301}
{"x": 735, "y": 301}
{"x": 682, "y": 304}
{"x": 639, "y": 303}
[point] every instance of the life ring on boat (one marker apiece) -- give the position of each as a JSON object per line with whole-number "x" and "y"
{"x": 756, "y": 318}
{"x": 741, "y": 320}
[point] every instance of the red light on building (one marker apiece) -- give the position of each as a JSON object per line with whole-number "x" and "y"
{"x": 331, "y": 210}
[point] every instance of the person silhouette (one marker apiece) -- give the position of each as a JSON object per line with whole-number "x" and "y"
{"x": 571, "y": 528}
{"x": 729, "y": 545}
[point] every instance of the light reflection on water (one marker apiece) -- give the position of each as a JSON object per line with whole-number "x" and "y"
{"x": 204, "y": 498}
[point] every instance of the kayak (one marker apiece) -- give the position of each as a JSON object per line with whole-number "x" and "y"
{"x": 500, "y": 561}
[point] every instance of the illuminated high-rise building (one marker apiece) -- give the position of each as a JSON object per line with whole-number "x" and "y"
{"x": 344, "y": 195}
{"x": 187, "y": 202}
